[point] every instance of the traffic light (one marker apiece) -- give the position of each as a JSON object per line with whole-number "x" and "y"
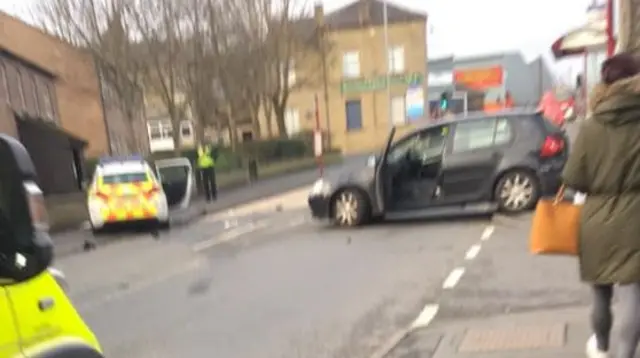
{"x": 444, "y": 100}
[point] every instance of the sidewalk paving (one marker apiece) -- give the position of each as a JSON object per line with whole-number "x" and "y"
{"x": 552, "y": 333}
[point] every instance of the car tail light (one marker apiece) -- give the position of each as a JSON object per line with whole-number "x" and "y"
{"x": 551, "y": 146}
{"x": 152, "y": 192}
{"x": 37, "y": 207}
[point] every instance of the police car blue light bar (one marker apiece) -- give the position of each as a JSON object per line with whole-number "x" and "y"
{"x": 121, "y": 159}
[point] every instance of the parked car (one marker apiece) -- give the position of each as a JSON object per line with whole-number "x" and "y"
{"x": 473, "y": 165}
{"x": 126, "y": 190}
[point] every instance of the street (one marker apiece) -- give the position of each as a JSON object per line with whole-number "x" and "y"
{"x": 277, "y": 286}
{"x": 265, "y": 280}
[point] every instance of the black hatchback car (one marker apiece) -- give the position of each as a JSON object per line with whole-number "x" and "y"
{"x": 464, "y": 166}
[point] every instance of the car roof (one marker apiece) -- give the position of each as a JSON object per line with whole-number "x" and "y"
{"x": 513, "y": 112}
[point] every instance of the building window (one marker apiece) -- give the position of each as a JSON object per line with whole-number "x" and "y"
{"x": 13, "y": 85}
{"x": 160, "y": 129}
{"x": 4, "y": 89}
{"x": 46, "y": 97}
{"x": 21, "y": 87}
{"x": 353, "y": 111}
{"x": 292, "y": 121}
{"x": 398, "y": 110}
{"x": 396, "y": 59}
{"x": 34, "y": 95}
{"x": 186, "y": 129}
{"x": 351, "y": 64}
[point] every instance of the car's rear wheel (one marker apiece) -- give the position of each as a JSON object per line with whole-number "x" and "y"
{"x": 517, "y": 191}
{"x": 350, "y": 208}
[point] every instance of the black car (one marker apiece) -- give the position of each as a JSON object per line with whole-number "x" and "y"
{"x": 464, "y": 166}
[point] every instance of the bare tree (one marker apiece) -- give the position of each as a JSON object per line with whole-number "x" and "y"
{"x": 161, "y": 28}
{"x": 103, "y": 29}
{"x": 291, "y": 47}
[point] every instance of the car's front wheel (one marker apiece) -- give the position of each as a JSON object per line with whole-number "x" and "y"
{"x": 517, "y": 191}
{"x": 350, "y": 208}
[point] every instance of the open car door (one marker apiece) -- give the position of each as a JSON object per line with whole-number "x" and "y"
{"x": 178, "y": 181}
{"x": 380, "y": 172}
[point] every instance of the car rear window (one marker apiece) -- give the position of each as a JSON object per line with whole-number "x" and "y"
{"x": 125, "y": 178}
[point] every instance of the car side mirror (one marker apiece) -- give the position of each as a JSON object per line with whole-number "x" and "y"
{"x": 26, "y": 250}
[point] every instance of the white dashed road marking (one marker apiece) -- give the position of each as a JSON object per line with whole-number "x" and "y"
{"x": 486, "y": 234}
{"x": 229, "y": 235}
{"x": 452, "y": 280}
{"x": 472, "y": 252}
{"x": 426, "y": 316}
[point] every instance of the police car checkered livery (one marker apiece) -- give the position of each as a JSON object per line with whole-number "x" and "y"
{"x": 125, "y": 190}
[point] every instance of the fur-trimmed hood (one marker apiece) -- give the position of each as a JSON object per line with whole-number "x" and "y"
{"x": 618, "y": 103}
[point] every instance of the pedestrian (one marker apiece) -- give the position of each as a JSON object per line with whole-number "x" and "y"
{"x": 206, "y": 166}
{"x": 605, "y": 165}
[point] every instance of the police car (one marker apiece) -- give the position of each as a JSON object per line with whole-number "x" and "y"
{"x": 125, "y": 190}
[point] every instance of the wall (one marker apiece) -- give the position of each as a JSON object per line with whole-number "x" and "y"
{"x": 77, "y": 87}
{"x": 375, "y": 120}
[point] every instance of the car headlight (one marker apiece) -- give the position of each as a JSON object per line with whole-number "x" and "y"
{"x": 320, "y": 187}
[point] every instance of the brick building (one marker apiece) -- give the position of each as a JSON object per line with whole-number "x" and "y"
{"x": 50, "y": 99}
{"x": 354, "y": 105}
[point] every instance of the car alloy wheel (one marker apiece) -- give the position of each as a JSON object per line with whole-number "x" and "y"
{"x": 517, "y": 192}
{"x": 347, "y": 208}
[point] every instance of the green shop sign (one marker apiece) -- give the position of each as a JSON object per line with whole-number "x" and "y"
{"x": 380, "y": 82}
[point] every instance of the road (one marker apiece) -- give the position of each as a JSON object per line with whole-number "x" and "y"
{"x": 275, "y": 285}
{"x": 278, "y": 284}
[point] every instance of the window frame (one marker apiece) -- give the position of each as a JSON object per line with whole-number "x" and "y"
{"x": 421, "y": 133}
{"x": 396, "y": 64}
{"x": 349, "y": 59}
{"x": 493, "y": 145}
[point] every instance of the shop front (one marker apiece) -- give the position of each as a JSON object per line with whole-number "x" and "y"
{"x": 590, "y": 43}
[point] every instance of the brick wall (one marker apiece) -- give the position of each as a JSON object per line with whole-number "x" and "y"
{"x": 77, "y": 88}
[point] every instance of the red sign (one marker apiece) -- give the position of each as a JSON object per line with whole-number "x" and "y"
{"x": 480, "y": 78}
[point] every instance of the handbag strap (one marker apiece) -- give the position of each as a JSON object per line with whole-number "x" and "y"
{"x": 559, "y": 194}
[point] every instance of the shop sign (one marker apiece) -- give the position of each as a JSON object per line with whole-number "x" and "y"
{"x": 414, "y": 100}
{"x": 480, "y": 78}
{"x": 380, "y": 82}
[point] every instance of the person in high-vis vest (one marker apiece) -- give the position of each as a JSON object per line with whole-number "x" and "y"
{"x": 206, "y": 166}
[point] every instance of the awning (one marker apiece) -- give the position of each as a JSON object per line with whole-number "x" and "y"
{"x": 577, "y": 41}
{"x": 52, "y": 131}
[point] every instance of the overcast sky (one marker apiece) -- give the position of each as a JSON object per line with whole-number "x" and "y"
{"x": 469, "y": 27}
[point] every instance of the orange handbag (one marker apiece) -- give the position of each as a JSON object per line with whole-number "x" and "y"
{"x": 555, "y": 226}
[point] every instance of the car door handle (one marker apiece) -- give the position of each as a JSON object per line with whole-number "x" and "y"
{"x": 45, "y": 304}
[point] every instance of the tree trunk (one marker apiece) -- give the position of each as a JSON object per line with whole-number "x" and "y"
{"x": 280, "y": 122}
{"x": 175, "y": 129}
{"x": 233, "y": 131}
{"x": 268, "y": 118}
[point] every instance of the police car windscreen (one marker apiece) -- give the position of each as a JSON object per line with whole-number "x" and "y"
{"x": 125, "y": 178}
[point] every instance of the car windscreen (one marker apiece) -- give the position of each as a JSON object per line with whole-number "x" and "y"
{"x": 125, "y": 178}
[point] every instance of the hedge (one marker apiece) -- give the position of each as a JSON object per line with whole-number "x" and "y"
{"x": 264, "y": 151}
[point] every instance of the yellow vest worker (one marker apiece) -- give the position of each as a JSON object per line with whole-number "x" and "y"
{"x": 206, "y": 165}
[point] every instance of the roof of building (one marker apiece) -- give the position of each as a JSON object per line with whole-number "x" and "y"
{"x": 370, "y": 13}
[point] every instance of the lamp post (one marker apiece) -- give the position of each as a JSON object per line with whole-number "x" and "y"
{"x": 385, "y": 15}
{"x": 611, "y": 42}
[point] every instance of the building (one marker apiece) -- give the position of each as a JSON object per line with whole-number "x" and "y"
{"x": 355, "y": 107}
{"x": 160, "y": 128}
{"x": 493, "y": 76}
{"x": 50, "y": 99}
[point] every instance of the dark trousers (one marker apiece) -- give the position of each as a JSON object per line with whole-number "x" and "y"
{"x": 209, "y": 183}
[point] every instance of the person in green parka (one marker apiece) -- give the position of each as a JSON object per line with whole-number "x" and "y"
{"x": 604, "y": 163}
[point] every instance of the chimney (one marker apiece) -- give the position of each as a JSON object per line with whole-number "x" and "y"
{"x": 364, "y": 12}
{"x": 318, "y": 14}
